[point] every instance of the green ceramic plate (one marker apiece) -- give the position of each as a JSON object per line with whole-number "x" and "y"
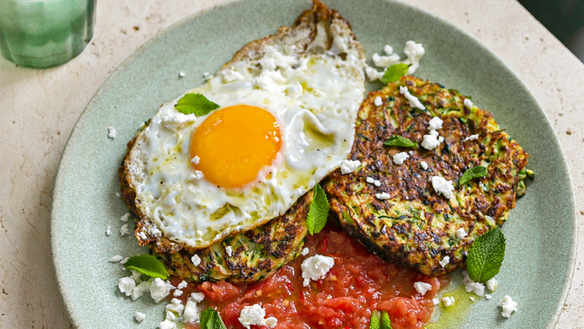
{"x": 540, "y": 231}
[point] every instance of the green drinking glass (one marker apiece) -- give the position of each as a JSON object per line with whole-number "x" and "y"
{"x": 45, "y": 33}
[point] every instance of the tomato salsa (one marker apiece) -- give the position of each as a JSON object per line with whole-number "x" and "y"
{"x": 358, "y": 283}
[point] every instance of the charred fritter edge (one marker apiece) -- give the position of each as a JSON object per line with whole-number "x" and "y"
{"x": 255, "y": 254}
{"x": 317, "y": 18}
{"x": 416, "y": 227}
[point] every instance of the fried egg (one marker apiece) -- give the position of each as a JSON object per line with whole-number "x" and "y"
{"x": 288, "y": 106}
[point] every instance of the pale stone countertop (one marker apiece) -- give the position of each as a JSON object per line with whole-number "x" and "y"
{"x": 38, "y": 109}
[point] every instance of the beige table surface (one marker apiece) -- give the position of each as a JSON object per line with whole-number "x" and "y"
{"x": 38, "y": 109}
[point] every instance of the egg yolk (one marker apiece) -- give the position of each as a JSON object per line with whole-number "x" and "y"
{"x": 234, "y": 143}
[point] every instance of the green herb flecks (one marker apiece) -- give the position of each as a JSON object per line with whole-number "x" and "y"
{"x": 486, "y": 256}
{"x": 196, "y": 104}
{"x": 475, "y": 172}
{"x": 380, "y": 320}
{"x": 318, "y": 211}
{"x": 147, "y": 265}
{"x": 394, "y": 72}
{"x": 210, "y": 319}
{"x": 400, "y": 141}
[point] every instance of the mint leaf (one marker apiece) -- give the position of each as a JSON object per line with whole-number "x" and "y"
{"x": 400, "y": 141}
{"x": 318, "y": 211}
{"x": 486, "y": 256}
{"x": 394, "y": 72}
{"x": 375, "y": 320}
{"x": 385, "y": 322}
{"x": 475, "y": 172}
{"x": 148, "y": 265}
{"x": 196, "y": 104}
{"x": 210, "y": 319}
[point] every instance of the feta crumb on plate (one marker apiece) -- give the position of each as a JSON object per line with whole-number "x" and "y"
{"x": 349, "y": 166}
{"x": 196, "y": 260}
{"x": 448, "y": 301}
{"x": 305, "y": 251}
{"x": 316, "y": 267}
{"x": 445, "y": 261}
{"x": 435, "y": 123}
{"x": 111, "y": 132}
{"x": 383, "y": 196}
{"x": 116, "y": 259}
{"x": 255, "y": 315}
{"x": 422, "y": 287}
{"x": 432, "y": 140}
{"x": 443, "y": 186}
{"x": 508, "y": 306}
{"x": 400, "y": 158}
{"x": 461, "y": 233}
{"x": 413, "y": 100}
{"x": 139, "y": 316}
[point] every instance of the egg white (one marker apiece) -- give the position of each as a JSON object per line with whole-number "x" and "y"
{"x": 314, "y": 98}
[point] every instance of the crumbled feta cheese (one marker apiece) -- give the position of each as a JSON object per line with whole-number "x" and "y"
{"x": 385, "y": 61}
{"x": 424, "y": 165}
{"x": 443, "y": 186}
{"x": 435, "y": 123}
{"x": 118, "y": 194}
{"x": 196, "y": 159}
{"x": 448, "y": 301}
{"x": 373, "y": 74}
{"x": 304, "y": 251}
{"x": 445, "y": 261}
{"x": 508, "y": 306}
{"x": 196, "y": 260}
{"x": 170, "y": 316}
{"x": 316, "y": 267}
{"x": 471, "y": 286}
{"x": 191, "y": 313}
{"x": 492, "y": 284}
{"x": 176, "y": 306}
{"x": 206, "y": 75}
{"x": 471, "y": 298}
{"x": 230, "y": 76}
{"x": 126, "y": 285}
{"x": 108, "y": 230}
{"x": 229, "y": 251}
{"x": 181, "y": 74}
{"x": 414, "y": 52}
{"x": 142, "y": 235}
{"x": 471, "y": 138}
{"x": 382, "y": 196}
{"x": 468, "y": 103}
{"x": 271, "y": 322}
{"x": 399, "y": 158}
{"x": 432, "y": 140}
{"x": 111, "y": 132}
{"x": 252, "y": 315}
{"x": 422, "y": 287}
{"x": 177, "y": 293}
{"x": 183, "y": 284}
{"x": 167, "y": 324}
{"x": 197, "y": 296}
{"x": 124, "y": 230}
{"x": 413, "y": 100}
{"x": 173, "y": 120}
{"x": 159, "y": 289}
{"x": 136, "y": 275}
{"x": 124, "y": 260}
{"x": 116, "y": 259}
{"x": 460, "y": 233}
{"x": 378, "y": 101}
{"x": 125, "y": 217}
{"x": 140, "y": 289}
{"x": 487, "y": 297}
{"x": 349, "y": 166}
{"x": 139, "y": 316}
{"x": 373, "y": 181}
{"x": 436, "y": 300}
{"x": 197, "y": 175}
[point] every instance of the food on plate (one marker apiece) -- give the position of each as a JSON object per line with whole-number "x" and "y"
{"x": 408, "y": 201}
{"x": 249, "y": 256}
{"x": 225, "y": 183}
{"x": 287, "y": 108}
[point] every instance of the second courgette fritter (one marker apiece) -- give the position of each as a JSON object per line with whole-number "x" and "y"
{"x": 394, "y": 209}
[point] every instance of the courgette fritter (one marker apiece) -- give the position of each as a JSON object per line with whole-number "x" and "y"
{"x": 250, "y": 256}
{"x": 408, "y": 222}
